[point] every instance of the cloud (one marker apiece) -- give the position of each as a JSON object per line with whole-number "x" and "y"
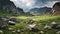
{"x": 28, "y": 4}
{"x": 46, "y": 3}
{"x": 13, "y": 0}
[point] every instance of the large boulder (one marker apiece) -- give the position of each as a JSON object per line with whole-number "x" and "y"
{"x": 11, "y": 23}
{"x": 14, "y": 19}
{"x": 54, "y": 25}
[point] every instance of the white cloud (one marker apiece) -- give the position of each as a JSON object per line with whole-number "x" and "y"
{"x": 50, "y": 3}
{"x": 13, "y": 0}
{"x": 27, "y": 4}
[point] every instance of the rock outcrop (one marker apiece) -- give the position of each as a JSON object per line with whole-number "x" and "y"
{"x": 56, "y": 9}
{"x": 10, "y": 7}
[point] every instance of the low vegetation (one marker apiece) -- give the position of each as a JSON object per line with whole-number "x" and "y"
{"x": 39, "y": 21}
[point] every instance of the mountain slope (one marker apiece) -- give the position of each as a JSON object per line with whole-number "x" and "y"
{"x": 56, "y": 8}
{"x": 40, "y": 11}
{"x": 9, "y": 7}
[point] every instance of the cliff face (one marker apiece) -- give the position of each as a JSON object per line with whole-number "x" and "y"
{"x": 9, "y": 7}
{"x": 6, "y": 4}
{"x": 56, "y": 8}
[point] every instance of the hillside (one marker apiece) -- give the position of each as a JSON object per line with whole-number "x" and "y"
{"x": 13, "y": 20}
{"x": 40, "y": 11}
{"x": 9, "y": 7}
{"x": 56, "y": 9}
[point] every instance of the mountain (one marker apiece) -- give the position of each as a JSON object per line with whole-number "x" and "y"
{"x": 40, "y": 11}
{"x": 56, "y": 8}
{"x": 9, "y": 7}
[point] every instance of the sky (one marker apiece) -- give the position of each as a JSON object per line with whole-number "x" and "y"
{"x": 28, "y": 4}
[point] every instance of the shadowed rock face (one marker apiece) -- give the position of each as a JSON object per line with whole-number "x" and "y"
{"x": 56, "y": 8}
{"x": 6, "y": 3}
{"x": 10, "y": 7}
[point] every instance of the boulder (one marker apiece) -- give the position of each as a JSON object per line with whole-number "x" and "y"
{"x": 47, "y": 27}
{"x": 41, "y": 32}
{"x": 4, "y": 18}
{"x": 54, "y": 25}
{"x": 10, "y": 29}
{"x": 14, "y": 19}
{"x": 18, "y": 30}
{"x": 33, "y": 27}
{"x": 11, "y": 22}
{"x": 58, "y": 27}
{"x": 1, "y": 32}
{"x": 58, "y": 32}
{"x": 3, "y": 24}
{"x": 13, "y": 31}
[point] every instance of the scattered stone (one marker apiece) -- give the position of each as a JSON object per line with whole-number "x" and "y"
{"x": 10, "y": 29}
{"x": 34, "y": 30}
{"x": 18, "y": 30}
{"x": 3, "y": 24}
{"x": 41, "y": 32}
{"x": 4, "y": 18}
{"x": 11, "y": 23}
{"x": 13, "y": 31}
{"x": 58, "y": 27}
{"x": 53, "y": 23}
{"x": 14, "y": 19}
{"x": 47, "y": 27}
{"x": 1, "y": 31}
{"x": 58, "y": 32}
{"x": 31, "y": 26}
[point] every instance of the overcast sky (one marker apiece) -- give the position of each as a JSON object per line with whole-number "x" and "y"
{"x": 28, "y": 4}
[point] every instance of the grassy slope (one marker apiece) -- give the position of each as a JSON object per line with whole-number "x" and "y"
{"x": 45, "y": 20}
{"x": 38, "y": 19}
{"x": 5, "y": 13}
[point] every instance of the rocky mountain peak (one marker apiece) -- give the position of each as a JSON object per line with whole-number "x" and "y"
{"x": 9, "y": 6}
{"x": 56, "y": 8}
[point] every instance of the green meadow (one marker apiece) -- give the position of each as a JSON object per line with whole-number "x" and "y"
{"x": 39, "y": 19}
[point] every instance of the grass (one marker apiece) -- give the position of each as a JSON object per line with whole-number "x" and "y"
{"x": 44, "y": 20}
{"x": 38, "y": 19}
